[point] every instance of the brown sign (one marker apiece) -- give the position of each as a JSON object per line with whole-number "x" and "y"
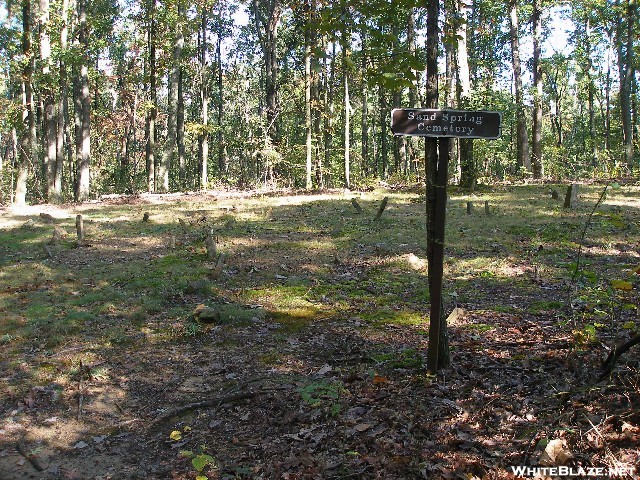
{"x": 445, "y": 123}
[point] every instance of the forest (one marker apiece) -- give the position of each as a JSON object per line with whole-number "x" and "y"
{"x": 112, "y": 97}
{"x": 214, "y": 260}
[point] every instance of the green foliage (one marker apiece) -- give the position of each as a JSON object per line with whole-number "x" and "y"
{"x": 323, "y": 394}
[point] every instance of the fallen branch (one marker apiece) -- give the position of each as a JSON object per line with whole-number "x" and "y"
{"x": 214, "y": 402}
{"x": 616, "y": 353}
{"x": 30, "y": 457}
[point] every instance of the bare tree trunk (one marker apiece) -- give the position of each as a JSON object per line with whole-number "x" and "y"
{"x": 203, "y": 137}
{"x": 63, "y": 101}
{"x": 431, "y": 155}
{"x": 172, "y": 114}
{"x": 267, "y": 23}
{"x": 536, "y": 161}
{"x": 50, "y": 127}
{"x": 384, "y": 143}
{"x": 222, "y": 153}
{"x": 522, "y": 138}
{"x": 307, "y": 97}
{"x": 83, "y": 104}
{"x": 347, "y": 105}
{"x": 182, "y": 156}
{"x": 150, "y": 126}
{"x": 626, "y": 71}
{"x": 468, "y": 167}
{"x": 317, "y": 112}
{"x": 364, "y": 124}
{"x": 27, "y": 136}
{"x": 329, "y": 108}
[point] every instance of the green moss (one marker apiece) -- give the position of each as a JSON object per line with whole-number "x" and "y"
{"x": 543, "y": 306}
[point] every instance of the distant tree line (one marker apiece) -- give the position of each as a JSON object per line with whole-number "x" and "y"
{"x": 116, "y": 96}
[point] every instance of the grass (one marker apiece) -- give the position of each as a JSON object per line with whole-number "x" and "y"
{"x": 294, "y": 261}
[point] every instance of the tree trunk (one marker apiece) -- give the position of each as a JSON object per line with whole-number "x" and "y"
{"x": 27, "y": 136}
{"x": 431, "y": 155}
{"x": 83, "y": 104}
{"x": 329, "y": 106}
{"x": 317, "y": 112}
{"x": 182, "y": 156}
{"x": 468, "y": 167}
{"x": 50, "y": 127}
{"x": 150, "y": 126}
{"x": 307, "y": 98}
{"x": 384, "y": 142}
{"x": 223, "y": 164}
{"x": 203, "y": 137}
{"x": 522, "y": 138}
{"x": 267, "y": 23}
{"x": 63, "y": 101}
{"x": 626, "y": 72}
{"x": 536, "y": 161}
{"x": 172, "y": 113}
{"x": 347, "y": 107}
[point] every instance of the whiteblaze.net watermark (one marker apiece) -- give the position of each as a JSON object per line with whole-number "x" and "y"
{"x": 561, "y": 471}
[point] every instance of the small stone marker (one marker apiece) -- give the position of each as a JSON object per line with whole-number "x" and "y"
{"x": 571, "y": 198}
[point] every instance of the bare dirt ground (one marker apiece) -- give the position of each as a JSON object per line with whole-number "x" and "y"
{"x": 316, "y": 385}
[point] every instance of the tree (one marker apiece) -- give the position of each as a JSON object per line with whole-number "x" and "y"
{"x": 150, "y": 123}
{"x": 28, "y": 135}
{"x": 346, "y": 64}
{"x": 164, "y": 166}
{"x": 522, "y": 138}
{"x": 469, "y": 170}
{"x": 204, "y": 77}
{"x": 536, "y": 21}
{"x": 441, "y": 360}
{"x": 625, "y": 20}
{"x": 53, "y": 189}
{"x": 82, "y": 99}
{"x": 266, "y": 15}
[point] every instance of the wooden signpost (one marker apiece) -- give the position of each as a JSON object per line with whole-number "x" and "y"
{"x": 442, "y": 125}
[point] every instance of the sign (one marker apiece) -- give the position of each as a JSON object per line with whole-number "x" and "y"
{"x": 446, "y": 123}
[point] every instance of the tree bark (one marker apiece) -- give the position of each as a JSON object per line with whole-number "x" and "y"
{"x": 431, "y": 155}
{"x": 626, "y": 72}
{"x": 468, "y": 167}
{"x": 536, "y": 161}
{"x": 50, "y": 126}
{"x": 172, "y": 113}
{"x": 223, "y": 164}
{"x": 267, "y": 23}
{"x": 150, "y": 126}
{"x": 63, "y": 102}
{"x": 307, "y": 97}
{"x": 522, "y": 138}
{"x": 203, "y": 137}
{"x": 347, "y": 106}
{"x": 27, "y": 136}
{"x": 83, "y": 104}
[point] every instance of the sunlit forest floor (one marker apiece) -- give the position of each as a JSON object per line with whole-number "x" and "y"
{"x": 297, "y": 350}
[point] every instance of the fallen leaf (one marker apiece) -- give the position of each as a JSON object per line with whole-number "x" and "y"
{"x": 176, "y": 435}
{"x": 622, "y": 285}
{"x": 81, "y": 444}
{"x": 363, "y": 427}
{"x": 556, "y": 453}
{"x": 378, "y": 380}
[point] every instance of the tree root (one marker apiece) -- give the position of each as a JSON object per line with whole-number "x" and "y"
{"x": 213, "y": 402}
{"x": 616, "y": 353}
